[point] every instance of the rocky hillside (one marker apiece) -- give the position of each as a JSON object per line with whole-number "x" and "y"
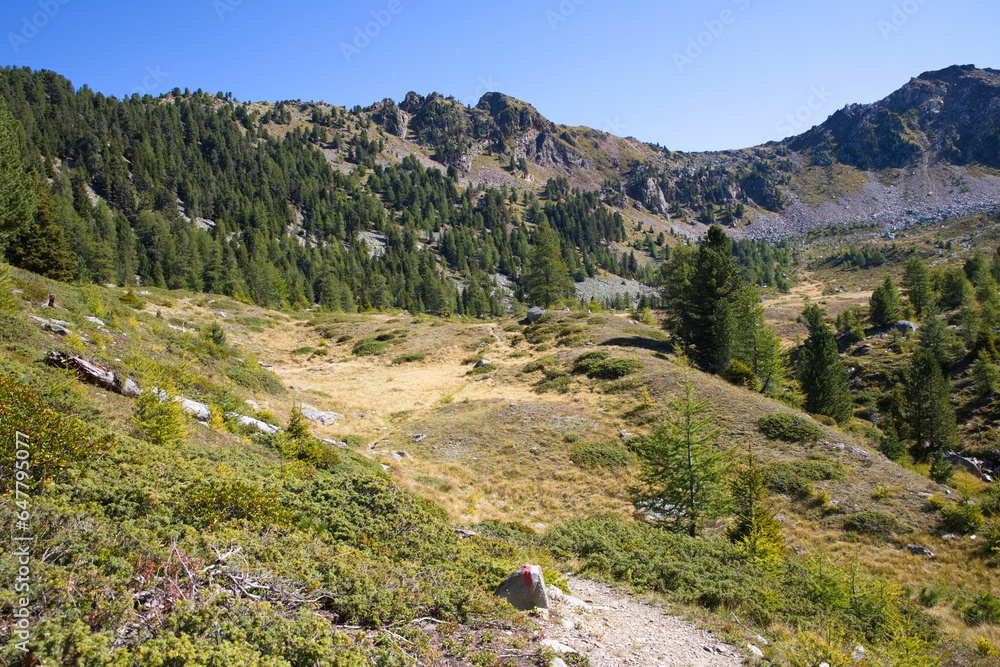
{"x": 929, "y": 151}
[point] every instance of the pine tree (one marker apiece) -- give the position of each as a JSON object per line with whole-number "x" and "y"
{"x": 682, "y": 477}
{"x": 823, "y": 377}
{"x": 17, "y": 192}
{"x": 713, "y": 276}
{"x": 890, "y": 444}
{"x": 917, "y": 285}
{"x": 928, "y": 407}
{"x": 884, "y": 305}
{"x": 42, "y": 247}
{"x": 755, "y": 528}
{"x": 986, "y": 376}
{"x": 937, "y": 338}
{"x": 548, "y": 277}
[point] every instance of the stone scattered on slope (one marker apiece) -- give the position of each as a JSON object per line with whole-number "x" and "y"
{"x": 754, "y": 651}
{"x": 535, "y": 314}
{"x": 918, "y": 550}
{"x": 525, "y": 589}
{"x": 321, "y": 417}
{"x": 483, "y": 362}
{"x": 558, "y": 646}
{"x": 250, "y": 422}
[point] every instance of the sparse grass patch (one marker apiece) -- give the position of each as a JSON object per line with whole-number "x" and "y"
{"x": 876, "y": 524}
{"x": 409, "y": 358}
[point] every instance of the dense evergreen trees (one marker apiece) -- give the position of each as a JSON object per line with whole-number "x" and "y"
{"x": 196, "y": 192}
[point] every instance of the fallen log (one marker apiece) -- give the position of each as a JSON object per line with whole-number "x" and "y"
{"x": 94, "y": 373}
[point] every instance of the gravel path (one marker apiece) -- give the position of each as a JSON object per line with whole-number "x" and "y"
{"x": 613, "y": 629}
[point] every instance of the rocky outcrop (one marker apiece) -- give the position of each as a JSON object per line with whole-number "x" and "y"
{"x": 525, "y": 589}
{"x": 391, "y": 117}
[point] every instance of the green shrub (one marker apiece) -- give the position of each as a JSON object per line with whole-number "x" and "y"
{"x": 597, "y": 319}
{"x": 984, "y": 609}
{"x": 964, "y": 516}
{"x": 789, "y": 428}
{"x": 542, "y": 364}
{"x": 510, "y": 328}
{"x": 520, "y": 355}
{"x": 220, "y": 502}
{"x": 876, "y": 524}
{"x": 215, "y": 334}
{"x": 603, "y": 455}
{"x": 345, "y": 338}
{"x": 482, "y": 370}
{"x": 161, "y": 422}
{"x": 383, "y": 338}
{"x": 369, "y": 347}
{"x": 619, "y": 386}
{"x": 795, "y": 478}
{"x": 254, "y": 379}
{"x": 558, "y": 382}
{"x": 587, "y": 362}
{"x": 612, "y": 369}
{"x": 54, "y": 440}
{"x": 409, "y": 359}
{"x": 130, "y": 299}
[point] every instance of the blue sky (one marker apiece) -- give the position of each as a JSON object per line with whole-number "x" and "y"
{"x": 688, "y": 75}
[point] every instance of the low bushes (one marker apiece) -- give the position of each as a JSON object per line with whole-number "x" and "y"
{"x": 795, "y": 478}
{"x": 409, "y": 359}
{"x": 370, "y": 347}
{"x": 598, "y": 364}
{"x": 482, "y": 370}
{"x": 789, "y": 428}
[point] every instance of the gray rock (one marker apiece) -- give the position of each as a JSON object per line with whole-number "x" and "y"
{"x": 905, "y": 326}
{"x": 250, "y": 422}
{"x": 858, "y": 653}
{"x": 525, "y": 589}
{"x": 754, "y": 651}
{"x": 419, "y": 437}
{"x": 557, "y": 646}
{"x": 483, "y": 362}
{"x": 918, "y": 550}
{"x": 557, "y": 662}
{"x": 321, "y": 417}
{"x": 94, "y": 320}
{"x": 535, "y": 314}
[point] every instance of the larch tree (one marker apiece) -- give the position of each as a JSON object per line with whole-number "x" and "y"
{"x": 682, "y": 480}
{"x": 884, "y": 305}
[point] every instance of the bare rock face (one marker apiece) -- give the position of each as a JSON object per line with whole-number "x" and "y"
{"x": 525, "y": 589}
{"x": 548, "y": 151}
{"x": 391, "y": 117}
{"x": 653, "y": 197}
{"x": 413, "y": 103}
